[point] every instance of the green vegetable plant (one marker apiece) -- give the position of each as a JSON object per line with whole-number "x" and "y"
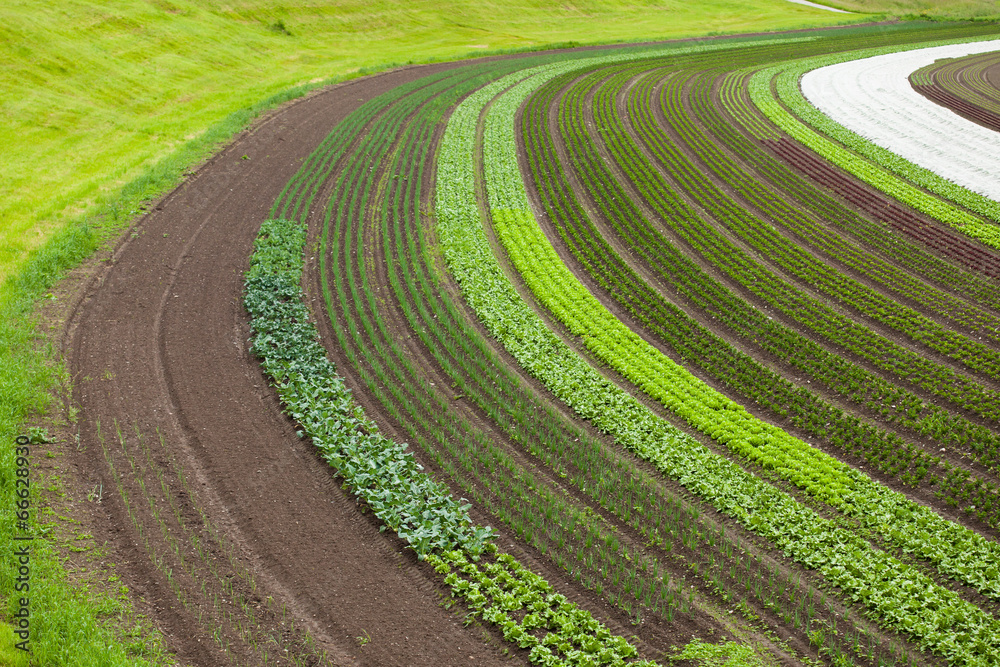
{"x": 378, "y": 470}
{"x": 842, "y": 557}
{"x": 421, "y": 511}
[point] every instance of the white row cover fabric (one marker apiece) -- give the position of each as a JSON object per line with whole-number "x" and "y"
{"x": 872, "y": 97}
{"x": 819, "y": 6}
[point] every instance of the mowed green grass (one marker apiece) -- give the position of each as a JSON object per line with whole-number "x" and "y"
{"x": 953, "y": 9}
{"x": 93, "y": 92}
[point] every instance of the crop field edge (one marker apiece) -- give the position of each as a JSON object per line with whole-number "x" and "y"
{"x": 81, "y": 239}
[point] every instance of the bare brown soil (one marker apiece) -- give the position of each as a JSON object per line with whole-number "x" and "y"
{"x": 282, "y": 562}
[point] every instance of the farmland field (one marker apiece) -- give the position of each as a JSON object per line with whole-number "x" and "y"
{"x": 581, "y": 357}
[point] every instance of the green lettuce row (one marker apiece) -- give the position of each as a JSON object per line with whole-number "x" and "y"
{"x": 873, "y": 577}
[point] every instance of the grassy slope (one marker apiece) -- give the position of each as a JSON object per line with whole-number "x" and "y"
{"x": 94, "y": 94}
{"x": 95, "y": 91}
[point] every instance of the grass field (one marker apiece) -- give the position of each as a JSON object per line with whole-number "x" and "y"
{"x": 95, "y": 93}
{"x": 107, "y": 104}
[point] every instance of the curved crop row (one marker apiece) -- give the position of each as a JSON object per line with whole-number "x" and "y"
{"x": 808, "y": 312}
{"x": 936, "y": 423}
{"x": 379, "y": 471}
{"x": 792, "y": 260}
{"x": 902, "y": 406}
{"x": 764, "y": 509}
{"x": 968, "y": 77}
{"x": 872, "y": 98}
{"x": 770, "y": 206}
{"x": 467, "y": 452}
{"x": 960, "y": 84}
{"x": 849, "y": 380}
{"x": 692, "y": 343}
{"x": 722, "y": 569}
{"x": 729, "y": 258}
{"x": 956, "y": 549}
{"x": 611, "y": 544}
{"x": 793, "y": 525}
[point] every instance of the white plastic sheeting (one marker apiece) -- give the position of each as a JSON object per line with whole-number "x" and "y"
{"x": 873, "y": 98}
{"x": 818, "y": 6}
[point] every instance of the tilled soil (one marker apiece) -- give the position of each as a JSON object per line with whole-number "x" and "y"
{"x": 236, "y": 537}
{"x": 158, "y": 345}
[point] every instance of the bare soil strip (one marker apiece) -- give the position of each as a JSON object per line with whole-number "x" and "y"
{"x": 158, "y": 345}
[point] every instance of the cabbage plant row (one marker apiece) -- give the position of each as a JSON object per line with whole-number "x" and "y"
{"x": 378, "y": 470}
{"x": 386, "y": 476}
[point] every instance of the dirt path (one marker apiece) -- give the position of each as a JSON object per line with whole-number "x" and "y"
{"x": 158, "y": 345}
